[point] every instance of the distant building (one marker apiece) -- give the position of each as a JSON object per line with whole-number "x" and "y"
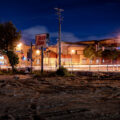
{"x": 71, "y": 54}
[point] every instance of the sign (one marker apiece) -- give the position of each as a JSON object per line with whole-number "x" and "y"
{"x": 41, "y": 40}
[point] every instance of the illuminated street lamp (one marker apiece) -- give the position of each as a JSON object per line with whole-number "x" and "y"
{"x": 38, "y": 52}
{"x": 72, "y": 52}
{"x": 19, "y": 45}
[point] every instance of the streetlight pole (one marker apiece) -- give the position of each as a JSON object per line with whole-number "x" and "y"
{"x": 59, "y": 38}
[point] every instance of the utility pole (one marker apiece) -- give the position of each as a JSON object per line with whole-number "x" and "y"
{"x": 59, "y": 34}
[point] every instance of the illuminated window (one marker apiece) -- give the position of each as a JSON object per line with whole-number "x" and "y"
{"x": 38, "y": 61}
{"x": 91, "y": 61}
{"x": 2, "y": 60}
{"x": 1, "y": 57}
{"x": 103, "y": 60}
{"x": 84, "y": 61}
{"x": 97, "y": 61}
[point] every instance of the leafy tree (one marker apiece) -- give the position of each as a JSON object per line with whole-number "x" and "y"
{"x": 91, "y": 53}
{"x": 13, "y": 59}
{"x": 9, "y": 37}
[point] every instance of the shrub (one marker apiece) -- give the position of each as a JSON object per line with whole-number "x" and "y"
{"x": 62, "y": 71}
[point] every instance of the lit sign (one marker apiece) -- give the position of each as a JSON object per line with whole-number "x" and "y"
{"x": 41, "y": 40}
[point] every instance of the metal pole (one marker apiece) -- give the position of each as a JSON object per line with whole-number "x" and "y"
{"x": 42, "y": 59}
{"x": 31, "y": 57}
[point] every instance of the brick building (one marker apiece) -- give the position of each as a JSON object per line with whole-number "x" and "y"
{"x": 71, "y": 54}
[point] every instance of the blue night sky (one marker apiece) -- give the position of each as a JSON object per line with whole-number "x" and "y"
{"x": 83, "y": 19}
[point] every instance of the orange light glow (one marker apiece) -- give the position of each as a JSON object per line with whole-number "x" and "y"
{"x": 38, "y": 52}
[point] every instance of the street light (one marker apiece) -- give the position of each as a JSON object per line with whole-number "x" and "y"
{"x": 72, "y": 52}
{"x": 38, "y": 52}
{"x": 19, "y": 45}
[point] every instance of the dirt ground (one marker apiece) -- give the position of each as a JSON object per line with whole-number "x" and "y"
{"x": 23, "y": 97}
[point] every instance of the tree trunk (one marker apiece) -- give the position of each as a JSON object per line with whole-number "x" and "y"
{"x": 13, "y": 68}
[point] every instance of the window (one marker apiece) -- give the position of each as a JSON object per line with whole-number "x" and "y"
{"x": 91, "y": 61}
{"x": 83, "y": 61}
{"x": 103, "y": 61}
{"x": 97, "y": 61}
{"x": 38, "y": 61}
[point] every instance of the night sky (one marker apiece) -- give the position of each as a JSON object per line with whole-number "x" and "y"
{"x": 83, "y": 19}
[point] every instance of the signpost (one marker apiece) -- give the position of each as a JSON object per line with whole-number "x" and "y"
{"x": 41, "y": 40}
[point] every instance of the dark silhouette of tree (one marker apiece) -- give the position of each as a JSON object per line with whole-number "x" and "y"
{"x": 13, "y": 59}
{"x": 111, "y": 54}
{"x": 9, "y": 37}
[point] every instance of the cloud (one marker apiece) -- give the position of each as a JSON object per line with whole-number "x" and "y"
{"x": 66, "y": 36}
{"x": 70, "y": 37}
{"x": 29, "y": 34}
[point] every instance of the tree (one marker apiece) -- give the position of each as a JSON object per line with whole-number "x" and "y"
{"x": 13, "y": 59}
{"x": 91, "y": 53}
{"x": 111, "y": 54}
{"x": 9, "y": 37}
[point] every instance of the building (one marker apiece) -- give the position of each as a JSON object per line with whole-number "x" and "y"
{"x": 71, "y": 54}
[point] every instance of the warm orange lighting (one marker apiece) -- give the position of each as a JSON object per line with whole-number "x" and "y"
{"x": 19, "y": 45}
{"x": 72, "y": 51}
{"x": 38, "y": 52}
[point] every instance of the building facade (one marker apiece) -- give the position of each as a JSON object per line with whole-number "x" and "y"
{"x": 71, "y": 54}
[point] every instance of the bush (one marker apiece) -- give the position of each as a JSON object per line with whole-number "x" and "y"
{"x": 62, "y": 71}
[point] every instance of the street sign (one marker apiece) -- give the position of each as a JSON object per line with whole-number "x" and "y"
{"x": 41, "y": 40}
